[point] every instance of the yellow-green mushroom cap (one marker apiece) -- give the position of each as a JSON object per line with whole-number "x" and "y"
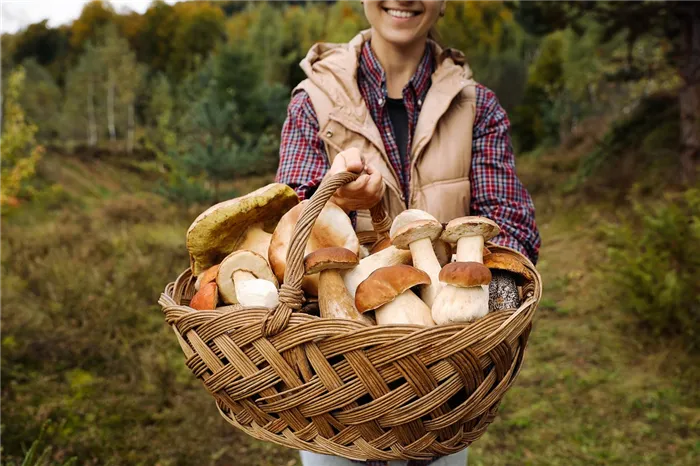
{"x": 217, "y": 231}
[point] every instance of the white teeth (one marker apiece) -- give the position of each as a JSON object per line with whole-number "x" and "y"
{"x": 400, "y": 14}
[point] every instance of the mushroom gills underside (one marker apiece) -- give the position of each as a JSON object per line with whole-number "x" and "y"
{"x": 503, "y": 291}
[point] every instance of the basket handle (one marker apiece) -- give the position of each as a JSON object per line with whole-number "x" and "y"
{"x": 290, "y": 295}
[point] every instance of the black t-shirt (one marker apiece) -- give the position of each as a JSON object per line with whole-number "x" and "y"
{"x": 399, "y": 120}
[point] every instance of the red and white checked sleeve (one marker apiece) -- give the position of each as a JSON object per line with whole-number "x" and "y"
{"x": 496, "y": 190}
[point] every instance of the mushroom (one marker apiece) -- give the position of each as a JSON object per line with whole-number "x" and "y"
{"x": 508, "y": 272}
{"x": 333, "y": 299}
{"x": 443, "y": 252}
{"x": 416, "y": 230}
{"x": 387, "y": 291}
{"x": 470, "y": 233}
{"x": 465, "y": 295}
{"x": 207, "y": 276}
{"x": 239, "y": 223}
{"x": 206, "y": 298}
{"x": 384, "y": 258}
{"x": 332, "y": 228}
{"x": 245, "y": 277}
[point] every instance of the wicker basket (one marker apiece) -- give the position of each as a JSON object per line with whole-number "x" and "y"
{"x": 340, "y": 387}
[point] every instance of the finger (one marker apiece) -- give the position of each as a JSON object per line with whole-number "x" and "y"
{"x": 375, "y": 185}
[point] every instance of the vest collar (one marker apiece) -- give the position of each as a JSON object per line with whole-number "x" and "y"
{"x": 334, "y": 67}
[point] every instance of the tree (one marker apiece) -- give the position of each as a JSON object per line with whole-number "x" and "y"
{"x": 94, "y": 17}
{"x": 122, "y": 78}
{"x": 20, "y": 152}
{"x": 81, "y": 95}
{"x": 41, "y": 99}
{"x": 678, "y": 23}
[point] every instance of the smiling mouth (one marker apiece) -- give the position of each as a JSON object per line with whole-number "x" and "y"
{"x": 401, "y": 13}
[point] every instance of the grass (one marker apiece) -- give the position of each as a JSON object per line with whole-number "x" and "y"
{"x": 84, "y": 345}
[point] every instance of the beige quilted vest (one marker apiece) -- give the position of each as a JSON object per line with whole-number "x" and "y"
{"x": 441, "y": 150}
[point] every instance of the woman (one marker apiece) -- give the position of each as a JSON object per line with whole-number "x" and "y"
{"x": 395, "y": 104}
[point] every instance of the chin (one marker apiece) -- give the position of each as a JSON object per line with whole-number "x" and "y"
{"x": 400, "y": 38}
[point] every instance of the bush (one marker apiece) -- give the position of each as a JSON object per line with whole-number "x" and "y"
{"x": 653, "y": 266}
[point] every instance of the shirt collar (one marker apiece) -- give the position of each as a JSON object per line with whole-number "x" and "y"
{"x": 371, "y": 70}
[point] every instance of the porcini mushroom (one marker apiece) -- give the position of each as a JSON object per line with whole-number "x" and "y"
{"x": 245, "y": 277}
{"x": 507, "y": 273}
{"x": 240, "y": 223}
{"x": 207, "y": 276}
{"x": 332, "y": 228}
{"x": 384, "y": 258}
{"x": 334, "y": 301}
{"x": 387, "y": 291}
{"x": 464, "y": 297}
{"x": 470, "y": 233}
{"x": 443, "y": 252}
{"x": 206, "y": 298}
{"x": 416, "y": 230}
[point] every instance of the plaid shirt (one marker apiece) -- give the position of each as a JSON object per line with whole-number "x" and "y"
{"x": 496, "y": 191}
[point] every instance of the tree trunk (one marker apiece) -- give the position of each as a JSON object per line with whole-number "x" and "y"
{"x": 689, "y": 95}
{"x": 130, "y": 129}
{"x": 92, "y": 124}
{"x": 110, "y": 110}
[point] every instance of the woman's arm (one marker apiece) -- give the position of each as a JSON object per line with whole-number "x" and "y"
{"x": 497, "y": 193}
{"x": 303, "y": 160}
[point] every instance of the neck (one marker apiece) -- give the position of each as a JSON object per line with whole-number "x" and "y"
{"x": 399, "y": 63}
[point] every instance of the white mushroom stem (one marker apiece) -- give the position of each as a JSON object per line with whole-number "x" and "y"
{"x": 256, "y": 239}
{"x": 424, "y": 259}
{"x": 334, "y": 302}
{"x": 470, "y": 249}
{"x": 455, "y": 304}
{"x": 406, "y": 308}
{"x": 251, "y": 291}
{"x": 384, "y": 258}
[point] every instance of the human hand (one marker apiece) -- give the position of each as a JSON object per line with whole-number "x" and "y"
{"x": 366, "y": 191}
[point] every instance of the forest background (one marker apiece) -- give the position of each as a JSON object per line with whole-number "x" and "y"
{"x": 119, "y": 128}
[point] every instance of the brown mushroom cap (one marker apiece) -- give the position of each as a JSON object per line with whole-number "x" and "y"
{"x": 470, "y": 226}
{"x": 207, "y": 276}
{"x": 217, "y": 231}
{"x": 206, "y": 298}
{"x": 247, "y": 261}
{"x": 465, "y": 274}
{"x": 383, "y": 244}
{"x": 330, "y": 258}
{"x": 385, "y": 284}
{"x": 414, "y": 231}
{"x": 509, "y": 262}
{"x": 332, "y": 228}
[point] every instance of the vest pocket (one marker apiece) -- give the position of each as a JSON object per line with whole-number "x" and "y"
{"x": 446, "y": 200}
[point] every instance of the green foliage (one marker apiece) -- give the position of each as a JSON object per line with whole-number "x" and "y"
{"x": 650, "y": 134}
{"x": 654, "y": 262}
{"x": 41, "y": 99}
{"x": 20, "y": 152}
{"x": 496, "y": 47}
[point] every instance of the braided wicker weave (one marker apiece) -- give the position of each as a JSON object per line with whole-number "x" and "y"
{"x": 343, "y": 388}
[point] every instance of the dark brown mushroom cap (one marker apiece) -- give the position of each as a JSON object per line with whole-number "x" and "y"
{"x": 465, "y": 274}
{"x": 414, "y": 231}
{"x": 385, "y": 284}
{"x": 330, "y": 258}
{"x": 470, "y": 226}
{"x": 509, "y": 262}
